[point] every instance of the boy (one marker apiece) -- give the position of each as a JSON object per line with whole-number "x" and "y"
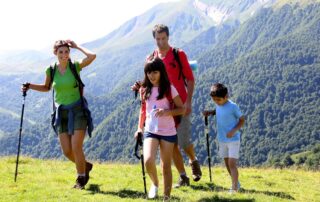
{"x": 229, "y": 121}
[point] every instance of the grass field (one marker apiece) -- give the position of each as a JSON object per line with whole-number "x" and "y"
{"x": 52, "y": 180}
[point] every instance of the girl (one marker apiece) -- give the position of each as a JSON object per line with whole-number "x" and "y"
{"x": 159, "y": 130}
{"x": 69, "y": 105}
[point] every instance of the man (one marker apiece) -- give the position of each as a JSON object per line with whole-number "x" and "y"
{"x": 184, "y": 83}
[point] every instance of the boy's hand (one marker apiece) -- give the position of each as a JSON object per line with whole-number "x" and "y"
{"x": 231, "y": 133}
{"x": 206, "y": 113}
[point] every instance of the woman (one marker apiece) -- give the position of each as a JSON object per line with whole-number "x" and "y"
{"x": 68, "y": 101}
{"x": 157, "y": 114}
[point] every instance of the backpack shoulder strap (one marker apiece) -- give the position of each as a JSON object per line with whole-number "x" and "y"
{"x": 52, "y": 72}
{"x": 75, "y": 73}
{"x": 77, "y": 77}
{"x": 177, "y": 58}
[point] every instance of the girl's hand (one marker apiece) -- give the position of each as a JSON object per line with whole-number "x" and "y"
{"x": 137, "y": 133}
{"x": 136, "y": 86}
{"x": 72, "y": 44}
{"x": 162, "y": 112}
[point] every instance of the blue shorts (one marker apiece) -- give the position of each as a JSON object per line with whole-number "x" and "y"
{"x": 172, "y": 138}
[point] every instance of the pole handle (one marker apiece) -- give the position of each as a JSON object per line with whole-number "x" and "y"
{"x": 25, "y": 85}
{"x": 138, "y": 143}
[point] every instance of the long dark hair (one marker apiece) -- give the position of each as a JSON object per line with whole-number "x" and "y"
{"x": 156, "y": 64}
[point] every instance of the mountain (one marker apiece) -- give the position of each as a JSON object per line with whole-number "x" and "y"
{"x": 18, "y": 62}
{"x": 269, "y": 60}
{"x": 123, "y": 51}
{"x": 223, "y": 11}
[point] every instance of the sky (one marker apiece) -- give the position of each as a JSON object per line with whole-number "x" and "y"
{"x": 36, "y": 24}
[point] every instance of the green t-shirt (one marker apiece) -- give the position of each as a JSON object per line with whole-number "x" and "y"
{"x": 64, "y": 85}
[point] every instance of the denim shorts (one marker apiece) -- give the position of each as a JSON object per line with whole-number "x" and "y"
{"x": 172, "y": 138}
{"x": 80, "y": 120}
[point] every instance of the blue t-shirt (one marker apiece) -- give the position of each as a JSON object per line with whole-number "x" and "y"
{"x": 227, "y": 118}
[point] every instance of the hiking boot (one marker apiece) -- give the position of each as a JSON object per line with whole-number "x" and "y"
{"x": 88, "y": 169}
{"x": 196, "y": 170}
{"x": 80, "y": 182}
{"x": 183, "y": 181}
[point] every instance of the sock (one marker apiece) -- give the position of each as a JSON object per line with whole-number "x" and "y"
{"x": 183, "y": 174}
{"x": 81, "y": 175}
{"x": 196, "y": 159}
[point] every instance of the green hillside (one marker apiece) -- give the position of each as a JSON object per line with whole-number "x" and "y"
{"x": 51, "y": 180}
{"x": 272, "y": 69}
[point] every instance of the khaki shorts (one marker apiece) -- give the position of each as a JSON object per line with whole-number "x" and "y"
{"x": 184, "y": 132}
{"x": 80, "y": 121}
{"x": 229, "y": 149}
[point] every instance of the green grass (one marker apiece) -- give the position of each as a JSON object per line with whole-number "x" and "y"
{"x": 51, "y": 180}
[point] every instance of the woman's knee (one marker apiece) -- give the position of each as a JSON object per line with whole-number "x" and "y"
{"x": 67, "y": 152}
{"x": 76, "y": 149}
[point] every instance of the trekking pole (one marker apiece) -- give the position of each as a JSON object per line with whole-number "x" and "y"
{"x": 140, "y": 143}
{"x": 208, "y": 145}
{"x": 24, "y": 94}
